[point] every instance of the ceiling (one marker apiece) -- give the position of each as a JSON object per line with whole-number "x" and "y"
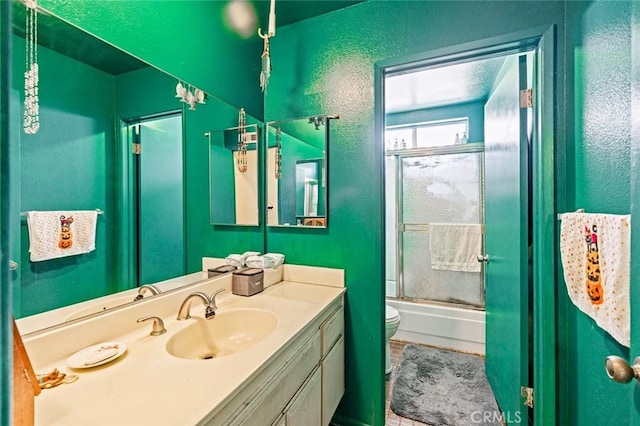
{"x": 68, "y": 40}
{"x": 61, "y": 37}
{"x": 436, "y": 87}
{"x": 290, "y": 11}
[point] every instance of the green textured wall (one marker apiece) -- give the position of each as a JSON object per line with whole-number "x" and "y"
{"x": 326, "y": 65}
{"x": 66, "y": 165}
{"x": 188, "y": 39}
{"x": 600, "y": 172}
{"x": 635, "y": 190}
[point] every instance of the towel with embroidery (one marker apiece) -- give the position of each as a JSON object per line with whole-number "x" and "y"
{"x": 54, "y": 234}
{"x": 596, "y": 251}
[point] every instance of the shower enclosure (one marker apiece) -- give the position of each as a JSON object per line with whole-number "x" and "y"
{"x": 425, "y": 186}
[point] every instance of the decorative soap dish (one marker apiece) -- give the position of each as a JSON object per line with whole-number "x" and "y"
{"x": 95, "y": 355}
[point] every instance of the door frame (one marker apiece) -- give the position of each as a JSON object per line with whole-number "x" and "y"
{"x": 543, "y": 187}
{"x": 129, "y": 197}
{"x": 6, "y": 293}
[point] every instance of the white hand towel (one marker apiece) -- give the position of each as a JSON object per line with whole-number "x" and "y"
{"x": 455, "y": 247}
{"x": 54, "y": 234}
{"x": 276, "y": 258}
{"x": 595, "y": 252}
{"x": 259, "y": 262}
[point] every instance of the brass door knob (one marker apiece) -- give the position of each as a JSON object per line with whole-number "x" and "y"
{"x": 620, "y": 371}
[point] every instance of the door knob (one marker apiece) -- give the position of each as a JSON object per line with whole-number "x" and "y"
{"x": 13, "y": 265}
{"x": 483, "y": 258}
{"x": 620, "y": 371}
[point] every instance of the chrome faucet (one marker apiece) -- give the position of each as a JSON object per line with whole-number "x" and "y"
{"x": 213, "y": 298}
{"x": 158, "y": 325}
{"x": 183, "y": 312}
{"x": 146, "y": 288}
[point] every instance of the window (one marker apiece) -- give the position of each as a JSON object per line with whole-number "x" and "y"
{"x": 429, "y": 134}
{"x": 394, "y": 137}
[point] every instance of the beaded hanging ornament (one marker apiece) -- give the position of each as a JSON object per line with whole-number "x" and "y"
{"x": 278, "y": 155}
{"x": 31, "y": 123}
{"x": 242, "y": 144}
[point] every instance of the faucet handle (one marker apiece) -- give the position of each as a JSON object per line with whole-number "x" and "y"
{"x": 158, "y": 325}
{"x": 213, "y": 297}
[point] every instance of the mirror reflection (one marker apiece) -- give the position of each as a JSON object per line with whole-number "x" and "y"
{"x": 111, "y": 137}
{"x": 297, "y": 172}
{"x": 233, "y": 176}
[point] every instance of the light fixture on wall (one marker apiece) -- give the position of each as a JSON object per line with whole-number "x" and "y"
{"x": 241, "y": 160}
{"x": 190, "y": 95}
{"x": 266, "y": 58}
{"x": 31, "y": 123}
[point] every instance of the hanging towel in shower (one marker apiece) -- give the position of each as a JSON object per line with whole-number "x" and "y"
{"x": 455, "y": 246}
{"x": 54, "y": 234}
{"x": 595, "y": 252}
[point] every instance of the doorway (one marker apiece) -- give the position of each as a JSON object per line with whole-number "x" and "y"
{"x": 156, "y": 199}
{"x": 512, "y": 186}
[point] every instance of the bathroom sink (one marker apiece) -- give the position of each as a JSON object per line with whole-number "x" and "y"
{"x": 99, "y": 307}
{"x": 225, "y": 334}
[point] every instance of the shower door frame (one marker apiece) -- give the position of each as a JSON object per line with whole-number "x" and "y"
{"x": 401, "y": 227}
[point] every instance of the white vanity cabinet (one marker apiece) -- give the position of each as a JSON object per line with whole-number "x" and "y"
{"x": 332, "y": 364}
{"x": 305, "y": 408}
{"x": 302, "y": 387}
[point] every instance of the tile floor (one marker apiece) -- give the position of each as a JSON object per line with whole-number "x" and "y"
{"x": 392, "y": 419}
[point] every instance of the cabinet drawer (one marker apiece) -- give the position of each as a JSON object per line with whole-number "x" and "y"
{"x": 332, "y": 381}
{"x": 276, "y": 393}
{"x": 331, "y": 330}
{"x": 306, "y": 407}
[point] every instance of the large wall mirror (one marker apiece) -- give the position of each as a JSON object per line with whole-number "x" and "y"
{"x": 93, "y": 99}
{"x": 297, "y": 172}
{"x": 233, "y": 176}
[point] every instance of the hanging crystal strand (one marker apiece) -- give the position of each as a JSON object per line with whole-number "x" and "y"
{"x": 242, "y": 145}
{"x": 31, "y": 123}
{"x": 266, "y": 65}
{"x": 278, "y": 153}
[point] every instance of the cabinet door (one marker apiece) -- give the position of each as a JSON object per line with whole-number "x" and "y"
{"x": 306, "y": 407}
{"x": 281, "y": 421}
{"x": 332, "y": 380}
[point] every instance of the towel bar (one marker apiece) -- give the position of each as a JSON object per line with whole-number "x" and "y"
{"x": 25, "y": 213}
{"x": 577, "y": 211}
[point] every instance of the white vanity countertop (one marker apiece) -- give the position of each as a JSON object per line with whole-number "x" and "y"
{"x": 148, "y": 386}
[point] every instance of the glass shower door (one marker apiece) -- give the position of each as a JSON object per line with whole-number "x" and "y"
{"x": 438, "y": 188}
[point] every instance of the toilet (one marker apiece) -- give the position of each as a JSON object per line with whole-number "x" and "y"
{"x": 392, "y": 322}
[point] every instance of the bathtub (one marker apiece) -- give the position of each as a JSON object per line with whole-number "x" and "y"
{"x": 440, "y": 325}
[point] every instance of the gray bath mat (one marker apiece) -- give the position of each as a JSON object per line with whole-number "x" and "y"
{"x": 443, "y": 388}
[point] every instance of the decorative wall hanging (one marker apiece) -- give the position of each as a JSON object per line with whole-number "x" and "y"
{"x": 318, "y": 121}
{"x": 278, "y": 155}
{"x": 242, "y": 143}
{"x": 190, "y": 95}
{"x": 266, "y": 59}
{"x": 31, "y": 123}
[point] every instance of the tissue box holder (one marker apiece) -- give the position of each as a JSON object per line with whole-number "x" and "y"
{"x": 247, "y": 282}
{"x": 220, "y": 270}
